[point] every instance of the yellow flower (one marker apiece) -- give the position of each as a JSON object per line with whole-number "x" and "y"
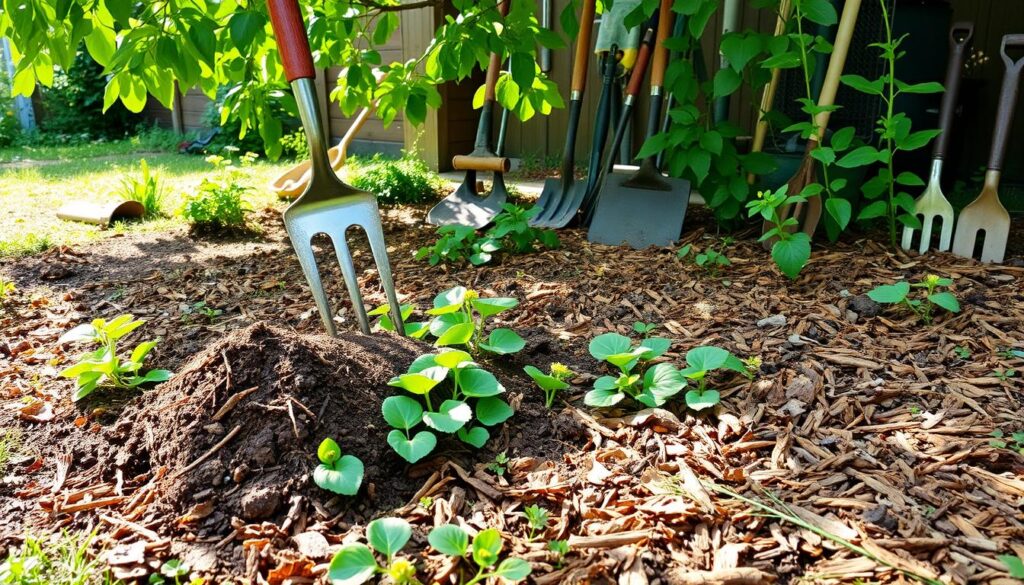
{"x": 402, "y": 571}
{"x": 561, "y": 371}
{"x": 471, "y": 295}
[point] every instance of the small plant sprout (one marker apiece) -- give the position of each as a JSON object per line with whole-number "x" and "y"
{"x": 962, "y": 352}
{"x": 1004, "y": 374}
{"x": 536, "y": 519}
{"x": 497, "y": 467}
{"x": 473, "y": 394}
{"x": 650, "y": 387}
{"x": 1015, "y": 442}
{"x": 752, "y": 364}
{"x": 356, "y": 563}
{"x": 171, "y": 572}
{"x": 560, "y": 548}
{"x": 1014, "y": 565}
{"x": 483, "y": 554}
{"x": 201, "y": 308}
{"x": 341, "y": 474}
{"x": 103, "y": 367}
{"x": 459, "y": 319}
{"x": 552, "y": 383}
{"x": 426, "y": 502}
{"x": 701, "y": 361}
{"x": 899, "y": 294}
{"x": 6, "y": 289}
{"x": 644, "y": 328}
{"x": 791, "y": 248}
{"x": 711, "y": 261}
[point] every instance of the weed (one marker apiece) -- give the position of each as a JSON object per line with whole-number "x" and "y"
{"x": 537, "y": 520}
{"x": 201, "y": 308}
{"x": 10, "y": 443}
{"x": 499, "y": 465}
{"x": 1004, "y": 374}
{"x": 341, "y": 474}
{"x": 552, "y": 383}
{"x": 711, "y": 261}
{"x": 355, "y": 563}
{"x": 468, "y": 381}
{"x": 511, "y": 233}
{"x": 426, "y": 502}
{"x": 146, "y": 190}
{"x": 899, "y": 294}
{"x": 560, "y": 548}
{"x": 962, "y": 352}
{"x": 65, "y": 560}
{"x": 173, "y": 569}
{"x": 701, "y": 361}
{"x": 648, "y": 386}
{"x": 1015, "y": 442}
{"x": 218, "y": 202}
{"x": 395, "y": 182}
{"x": 792, "y": 247}
{"x": 103, "y": 367}
{"x": 484, "y": 553}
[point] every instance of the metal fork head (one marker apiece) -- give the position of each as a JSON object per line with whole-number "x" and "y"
{"x": 930, "y": 205}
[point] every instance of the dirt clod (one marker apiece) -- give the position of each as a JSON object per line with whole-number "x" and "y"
{"x": 864, "y": 306}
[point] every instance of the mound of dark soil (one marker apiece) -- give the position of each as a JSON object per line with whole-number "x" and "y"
{"x": 267, "y": 397}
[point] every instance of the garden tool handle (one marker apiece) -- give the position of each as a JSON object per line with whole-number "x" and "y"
{"x": 836, "y": 63}
{"x": 494, "y": 66}
{"x": 640, "y": 69}
{"x": 959, "y": 39}
{"x": 292, "y": 42}
{"x": 581, "y": 60}
{"x": 659, "y": 60}
{"x": 496, "y": 164}
{"x": 1007, "y": 102}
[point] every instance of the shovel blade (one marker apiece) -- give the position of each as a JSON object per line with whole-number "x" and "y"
{"x": 551, "y": 196}
{"x": 636, "y": 217}
{"x": 466, "y": 207}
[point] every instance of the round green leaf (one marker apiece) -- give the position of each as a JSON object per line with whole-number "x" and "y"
{"x": 602, "y": 398}
{"x": 353, "y": 564}
{"x": 415, "y": 449}
{"x": 545, "y": 381}
{"x": 476, "y": 436}
{"x": 487, "y": 547}
{"x": 402, "y": 412}
{"x": 452, "y": 358}
{"x": 608, "y": 344}
{"x": 450, "y": 417}
{"x": 420, "y": 383}
{"x": 890, "y": 293}
{"x": 656, "y": 346}
{"x": 513, "y": 570}
{"x": 946, "y": 300}
{"x": 478, "y": 383}
{"x": 328, "y": 452}
{"x": 663, "y": 381}
{"x": 442, "y": 323}
{"x": 423, "y": 362}
{"x": 791, "y": 255}
{"x": 344, "y": 477}
{"x": 700, "y": 400}
{"x": 448, "y": 301}
{"x": 456, "y": 335}
{"x": 388, "y": 535}
{"x": 626, "y": 361}
{"x": 488, "y": 307}
{"x": 706, "y": 358}
{"x": 493, "y": 411}
{"x": 503, "y": 341}
{"x": 449, "y": 539}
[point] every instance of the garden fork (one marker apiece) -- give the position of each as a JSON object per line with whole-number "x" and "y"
{"x": 327, "y": 206}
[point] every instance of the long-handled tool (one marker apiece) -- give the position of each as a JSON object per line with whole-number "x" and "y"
{"x": 808, "y": 214}
{"x": 932, "y": 203}
{"x": 636, "y": 79}
{"x": 986, "y": 214}
{"x": 466, "y": 206}
{"x": 768, "y": 97}
{"x": 327, "y": 206}
{"x": 730, "y": 22}
{"x": 644, "y": 208}
{"x": 558, "y": 191}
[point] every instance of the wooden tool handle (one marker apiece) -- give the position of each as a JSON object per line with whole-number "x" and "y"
{"x": 496, "y": 164}
{"x": 659, "y": 62}
{"x": 640, "y": 69}
{"x": 292, "y": 42}
{"x": 1007, "y": 102}
{"x": 494, "y": 66}
{"x": 959, "y": 39}
{"x": 836, "y": 65}
{"x": 581, "y": 60}
{"x": 768, "y": 97}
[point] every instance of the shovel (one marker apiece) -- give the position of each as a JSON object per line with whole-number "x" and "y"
{"x": 808, "y": 214}
{"x": 327, "y": 206}
{"x": 645, "y": 208}
{"x": 466, "y": 206}
{"x": 557, "y": 191}
{"x": 986, "y": 213}
{"x": 932, "y": 203}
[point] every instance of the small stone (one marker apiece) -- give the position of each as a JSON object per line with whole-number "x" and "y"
{"x": 773, "y": 321}
{"x": 864, "y": 306}
{"x": 313, "y": 545}
{"x": 796, "y": 341}
{"x": 260, "y": 502}
{"x": 845, "y": 293}
{"x": 879, "y": 516}
{"x": 214, "y": 428}
{"x": 851, "y": 316}
{"x": 238, "y": 474}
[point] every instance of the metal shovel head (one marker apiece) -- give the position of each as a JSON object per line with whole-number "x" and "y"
{"x": 466, "y": 207}
{"x": 639, "y": 217}
{"x": 931, "y": 205}
{"x": 984, "y": 215}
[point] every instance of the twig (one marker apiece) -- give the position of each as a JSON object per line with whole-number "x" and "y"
{"x": 136, "y": 528}
{"x": 207, "y": 455}
{"x": 233, "y": 401}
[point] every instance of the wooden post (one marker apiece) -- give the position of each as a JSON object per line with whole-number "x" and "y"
{"x": 429, "y": 138}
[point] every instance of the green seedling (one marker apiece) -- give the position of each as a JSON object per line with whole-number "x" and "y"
{"x": 791, "y": 248}
{"x": 1004, "y": 374}
{"x": 644, "y": 328}
{"x": 172, "y": 571}
{"x": 560, "y": 548}
{"x": 201, "y": 308}
{"x": 711, "y": 261}
{"x": 473, "y": 393}
{"x": 457, "y": 244}
{"x": 1015, "y": 442}
{"x": 899, "y": 294}
{"x": 1009, "y": 353}
{"x": 511, "y": 233}
{"x": 341, "y": 474}
{"x": 498, "y": 466}
{"x": 482, "y": 554}
{"x": 701, "y": 361}
{"x": 426, "y": 502}
{"x": 648, "y": 386}
{"x": 459, "y": 319}
{"x": 1014, "y": 565}
{"x": 354, "y": 564}
{"x": 551, "y": 383}
{"x": 962, "y": 352}
{"x": 536, "y": 519}
{"x": 7, "y": 288}
{"x": 145, "y": 190}
{"x": 103, "y": 367}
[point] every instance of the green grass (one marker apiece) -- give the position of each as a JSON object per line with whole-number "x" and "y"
{"x": 31, "y": 193}
{"x": 10, "y": 443}
{"x": 63, "y": 560}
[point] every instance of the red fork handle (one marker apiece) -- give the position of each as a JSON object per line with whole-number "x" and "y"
{"x": 292, "y": 42}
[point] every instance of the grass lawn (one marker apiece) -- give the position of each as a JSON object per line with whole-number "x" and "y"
{"x": 35, "y": 182}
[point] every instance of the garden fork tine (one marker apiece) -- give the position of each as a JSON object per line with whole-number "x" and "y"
{"x": 327, "y": 206}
